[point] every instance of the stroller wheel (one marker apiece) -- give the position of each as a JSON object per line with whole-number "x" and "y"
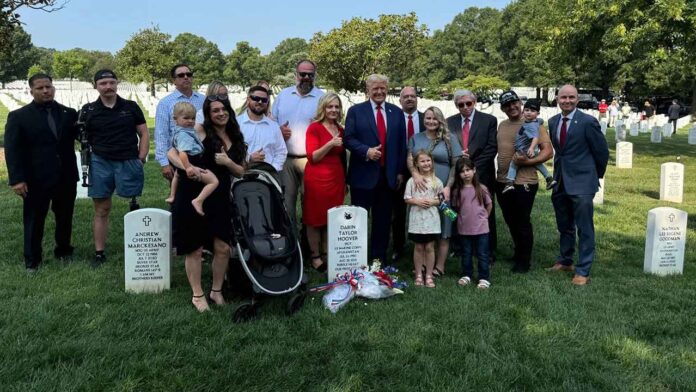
{"x": 244, "y": 313}
{"x": 295, "y": 303}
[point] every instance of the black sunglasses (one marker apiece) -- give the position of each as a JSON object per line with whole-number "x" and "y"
{"x": 181, "y": 75}
{"x": 258, "y": 99}
{"x": 219, "y": 97}
{"x": 467, "y": 104}
{"x": 306, "y": 75}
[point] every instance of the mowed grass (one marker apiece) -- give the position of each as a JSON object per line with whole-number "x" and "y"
{"x": 74, "y": 328}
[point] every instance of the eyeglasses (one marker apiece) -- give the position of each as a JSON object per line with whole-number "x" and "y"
{"x": 306, "y": 75}
{"x": 219, "y": 97}
{"x": 258, "y": 99}
{"x": 187, "y": 74}
{"x": 467, "y": 104}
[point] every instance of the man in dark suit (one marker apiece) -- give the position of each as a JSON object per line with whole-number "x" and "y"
{"x": 476, "y": 132}
{"x": 580, "y": 161}
{"x": 414, "y": 124}
{"x": 376, "y": 137}
{"x": 40, "y": 155}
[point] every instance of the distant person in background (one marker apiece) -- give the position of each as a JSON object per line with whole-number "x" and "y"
{"x": 613, "y": 112}
{"x": 42, "y": 168}
{"x": 625, "y": 111}
{"x": 215, "y": 89}
{"x": 603, "y": 108}
{"x": 673, "y": 114}
{"x": 182, "y": 77}
{"x": 120, "y": 143}
{"x": 649, "y": 113}
{"x": 324, "y": 179}
{"x": 414, "y": 124}
{"x": 580, "y": 161}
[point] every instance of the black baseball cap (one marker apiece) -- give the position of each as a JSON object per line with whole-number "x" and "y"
{"x": 532, "y": 104}
{"x": 103, "y": 74}
{"x": 507, "y": 97}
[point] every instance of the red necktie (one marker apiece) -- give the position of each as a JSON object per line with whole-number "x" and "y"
{"x": 381, "y": 132}
{"x": 564, "y": 132}
{"x": 465, "y": 134}
{"x": 410, "y": 127}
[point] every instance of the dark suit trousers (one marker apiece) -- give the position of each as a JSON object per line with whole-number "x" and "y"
{"x": 575, "y": 212}
{"x": 517, "y": 211}
{"x": 378, "y": 203}
{"x": 61, "y": 199}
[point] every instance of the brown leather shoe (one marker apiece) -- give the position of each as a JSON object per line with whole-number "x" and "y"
{"x": 580, "y": 280}
{"x": 561, "y": 267}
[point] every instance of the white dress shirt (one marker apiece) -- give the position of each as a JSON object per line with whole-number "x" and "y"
{"x": 264, "y": 134}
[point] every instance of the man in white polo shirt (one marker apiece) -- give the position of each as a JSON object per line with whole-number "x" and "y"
{"x": 294, "y": 110}
{"x": 262, "y": 135}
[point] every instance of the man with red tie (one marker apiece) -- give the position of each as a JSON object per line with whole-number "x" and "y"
{"x": 580, "y": 161}
{"x": 375, "y": 134}
{"x": 476, "y": 132}
{"x": 414, "y": 124}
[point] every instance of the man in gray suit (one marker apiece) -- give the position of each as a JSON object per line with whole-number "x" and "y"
{"x": 477, "y": 134}
{"x": 580, "y": 161}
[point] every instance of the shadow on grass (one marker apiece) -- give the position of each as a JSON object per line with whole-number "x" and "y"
{"x": 691, "y": 222}
{"x": 651, "y": 194}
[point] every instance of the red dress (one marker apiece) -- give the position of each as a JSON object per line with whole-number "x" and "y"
{"x": 324, "y": 181}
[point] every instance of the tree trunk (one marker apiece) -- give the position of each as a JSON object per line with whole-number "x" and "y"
{"x": 538, "y": 92}
{"x": 152, "y": 87}
{"x": 693, "y": 99}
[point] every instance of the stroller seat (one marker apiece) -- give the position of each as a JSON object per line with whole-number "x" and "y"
{"x": 270, "y": 245}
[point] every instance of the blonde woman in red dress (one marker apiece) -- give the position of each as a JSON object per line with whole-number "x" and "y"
{"x": 324, "y": 179}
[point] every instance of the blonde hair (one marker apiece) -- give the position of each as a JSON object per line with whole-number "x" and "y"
{"x": 429, "y": 155}
{"x": 442, "y": 131}
{"x": 214, "y": 88}
{"x": 324, "y": 101}
{"x": 184, "y": 109}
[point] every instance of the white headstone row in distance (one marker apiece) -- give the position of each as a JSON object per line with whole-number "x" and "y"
{"x": 665, "y": 241}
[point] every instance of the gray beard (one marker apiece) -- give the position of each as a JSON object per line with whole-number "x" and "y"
{"x": 305, "y": 87}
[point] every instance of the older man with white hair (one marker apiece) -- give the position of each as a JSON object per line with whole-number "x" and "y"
{"x": 477, "y": 134}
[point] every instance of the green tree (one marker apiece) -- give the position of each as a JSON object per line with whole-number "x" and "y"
{"x": 360, "y": 47}
{"x": 146, "y": 57}
{"x": 9, "y": 18}
{"x": 98, "y": 60}
{"x": 245, "y": 65}
{"x": 282, "y": 60}
{"x": 15, "y": 62}
{"x": 34, "y": 69}
{"x": 44, "y": 58}
{"x": 484, "y": 86}
{"x": 71, "y": 63}
{"x": 203, "y": 56}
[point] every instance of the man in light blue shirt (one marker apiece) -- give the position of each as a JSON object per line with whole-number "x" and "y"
{"x": 294, "y": 109}
{"x": 164, "y": 122}
{"x": 262, "y": 135}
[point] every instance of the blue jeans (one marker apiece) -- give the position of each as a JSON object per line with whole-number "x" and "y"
{"x": 478, "y": 243}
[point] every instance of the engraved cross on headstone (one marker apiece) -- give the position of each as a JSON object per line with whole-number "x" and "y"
{"x": 147, "y": 220}
{"x": 671, "y": 217}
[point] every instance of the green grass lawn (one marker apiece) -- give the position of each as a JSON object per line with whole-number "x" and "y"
{"x": 3, "y": 120}
{"x": 73, "y": 328}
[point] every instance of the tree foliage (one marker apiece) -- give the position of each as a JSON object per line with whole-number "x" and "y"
{"x": 203, "y": 56}
{"x": 9, "y": 17}
{"x": 282, "y": 60}
{"x": 484, "y": 86}
{"x": 360, "y": 47}
{"x": 15, "y": 62}
{"x": 146, "y": 57}
{"x": 245, "y": 65}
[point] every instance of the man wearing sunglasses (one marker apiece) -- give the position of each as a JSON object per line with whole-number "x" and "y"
{"x": 477, "y": 132}
{"x": 294, "y": 110}
{"x": 182, "y": 77}
{"x": 262, "y": 135}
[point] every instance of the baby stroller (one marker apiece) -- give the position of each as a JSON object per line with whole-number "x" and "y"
{"x": 267, "y": 244}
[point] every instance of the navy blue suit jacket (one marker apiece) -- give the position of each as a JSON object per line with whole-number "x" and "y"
{"x": 583, "y": 160}
{"x": 361, "y": 134}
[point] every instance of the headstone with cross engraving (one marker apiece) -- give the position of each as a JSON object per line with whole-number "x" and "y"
{"x": 665, "y": 241}
{"x": 147, "y": 250}
{"x": 672, "y": 182}
{"x": 347, "y": 237}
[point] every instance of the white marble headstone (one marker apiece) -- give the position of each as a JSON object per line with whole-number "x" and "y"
{"x": 672, "y": 182}
{"x": 81, "y": 190}
{"x": 347, "y": 237}
{"x": 147, "y": 241}
{"x": 692, "y": 134}
{"x": 665, "y": 241}
{"x": 656, "y": 135}
{"x": 599, "y": 196}
{"x": 644, "y": 126}
{"x": 634, "y": 129}
{"x": 667, "y": 130}
{"x": 624, "y": 155}
{"x": 603, "y": 126}
{"x": 620, "y": 133}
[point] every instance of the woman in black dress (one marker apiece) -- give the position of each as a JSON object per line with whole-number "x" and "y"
{"x": 224, "y": 155}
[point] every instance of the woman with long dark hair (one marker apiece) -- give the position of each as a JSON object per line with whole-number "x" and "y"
{"x": 224, "y": 154}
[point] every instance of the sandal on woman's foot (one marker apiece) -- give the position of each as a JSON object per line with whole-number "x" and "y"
{"x": 222, "y": 298}
{"x": 422, "y": 270}
{"x": 438, "y": 272}
{"x": 419, "y": 280}
{"x": 429, "y": 282}
{"x": 321, "y": 267}
{"x": 483, "y": 284}
{"x": 464, "y": 280}
{"x": 200, "y": 303}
